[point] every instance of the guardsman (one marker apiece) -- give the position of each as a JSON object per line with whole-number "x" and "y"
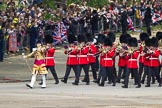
{"x": 159, "y": 37}
{"x": 132, "y": 65}
{"x": 100, "y": 41}
{"x": 143, "y": 37}
{"x": 122, "y": 59}
{"x": 39, "y": 66}
{"x": 108, "y": 62}
{"x": 49, "y": 57}
{"x": 82, "y": 51}
{"x": 154, "y": 62}
{"x": 146, "y": 59}
{"x": 91, "y": 57}
{"x": 72, "y": 61}
{"x": 111, "y": 35}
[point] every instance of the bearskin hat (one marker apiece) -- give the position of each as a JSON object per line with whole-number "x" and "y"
{"x": 111, "y": 35}
{"x": 132, "y": 42}
{"x": 107, "y": 42}
{"x": 81, "y": 38}
{"x": 89, "y": 37}
{"x": 144, "y": 36}
{"x": 154, "y": 42}
{"x": 159, "y": 35}
{"x": 48, "y": 39}
{"x": 38, "y": 42}
{"x": 71, "y": 39}
{"x": 124, "y": 38}
{"x": 101, "y": 38}
{"x": 148, "y": 42}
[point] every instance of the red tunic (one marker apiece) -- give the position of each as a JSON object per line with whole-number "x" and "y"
{"x": 146, "y": 61}
{"x": 154, "y": 58}
{"x": 82, "y": 55}
{"x": 50, "y": 57}
{"x": 107, "y": 59}
{"x": 72, "y": 57}
{"x": 142, "y": 58}
{"x": 132, "y": 60}
{"x": 122, "y": 61}
{"x": 92, "y": 51}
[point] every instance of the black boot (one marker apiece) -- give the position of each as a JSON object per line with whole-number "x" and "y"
{"x": 75, "y": 83}
{"x": 64, "y": 81}
{"x": 125, "y": 86}
{"x": 139, "y": 86}
{"x": 142, "y": 81}
{"x": 57, "y": 82}
{"x": 147, "y": 85}
{"x": 114, "y": 84}
{"x": 101, "y": 85}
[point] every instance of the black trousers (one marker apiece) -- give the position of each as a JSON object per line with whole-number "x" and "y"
{"x": 97, "y": 63}
{"x": 146, "y": 69}
{"x": 160, "y": 70}
{"x": 153, "y": 71}
{"x": 93, "y": 67}
{"x": 107, "y": 72}
{"x": 53, "y": 71}
{"x": 79, "y": 69}
{"x": 141, "y": 68}
{"x": 148, "y": 27}
{"x": 136, "y": 75}
{"x": 68, "y": 70}
{"x": 124, "y": 29}
{"x": 100, "y": 74}
{"x": 1, "y": 49}
{"x": 121, "y": 71}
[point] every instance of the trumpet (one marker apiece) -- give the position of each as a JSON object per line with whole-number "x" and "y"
{"x": 131, "y": 50}
{"x": 118, "y": 47}
{"x": 68, "y": 49}
{"x": 79, "y": 47}
{"x": 104, "y": 50}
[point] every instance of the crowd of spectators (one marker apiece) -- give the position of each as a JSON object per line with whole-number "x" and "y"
{"x": 23, "y": 25}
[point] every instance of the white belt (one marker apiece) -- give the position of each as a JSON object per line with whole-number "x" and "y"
{"x": 153, "y": 58}
{"x": 90, "y": 54}
{"x": 72, "y": 56}
{"x": 132, "y": 60}
{"x": 107, "y": 58}
{"x": 82, "y": 55}
{"x": 49, "y": 57}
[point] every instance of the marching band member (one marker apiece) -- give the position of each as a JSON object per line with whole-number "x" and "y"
{"x": 108, "y": 62}
{"x": 146, "y": 59}
{"x": 82, "y": 52}
{"x": 72, "y": 60}
{"x": 91, "y": 57}
{"x": 154, "y": 62}
{"x": 49, "y": 57}
{"x": 39, "y": 65}
{"x": 143, "y": 37}
{"x": 159, "y": 37}
{"x": 132, "y": 66}
{"x": 122, "y": 59}
{"x": 111, "y": 35}
{"x": 100, "y": 41}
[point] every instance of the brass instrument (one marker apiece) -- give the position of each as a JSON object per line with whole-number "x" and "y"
{"x": 131, "y": 50}
{"x": 68, "y": 49}
{"x": 79, "y": 47}
{"x": 143, "y": 44}
{"x": 118, "y": 47}
{"x": 104, "y": 50}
